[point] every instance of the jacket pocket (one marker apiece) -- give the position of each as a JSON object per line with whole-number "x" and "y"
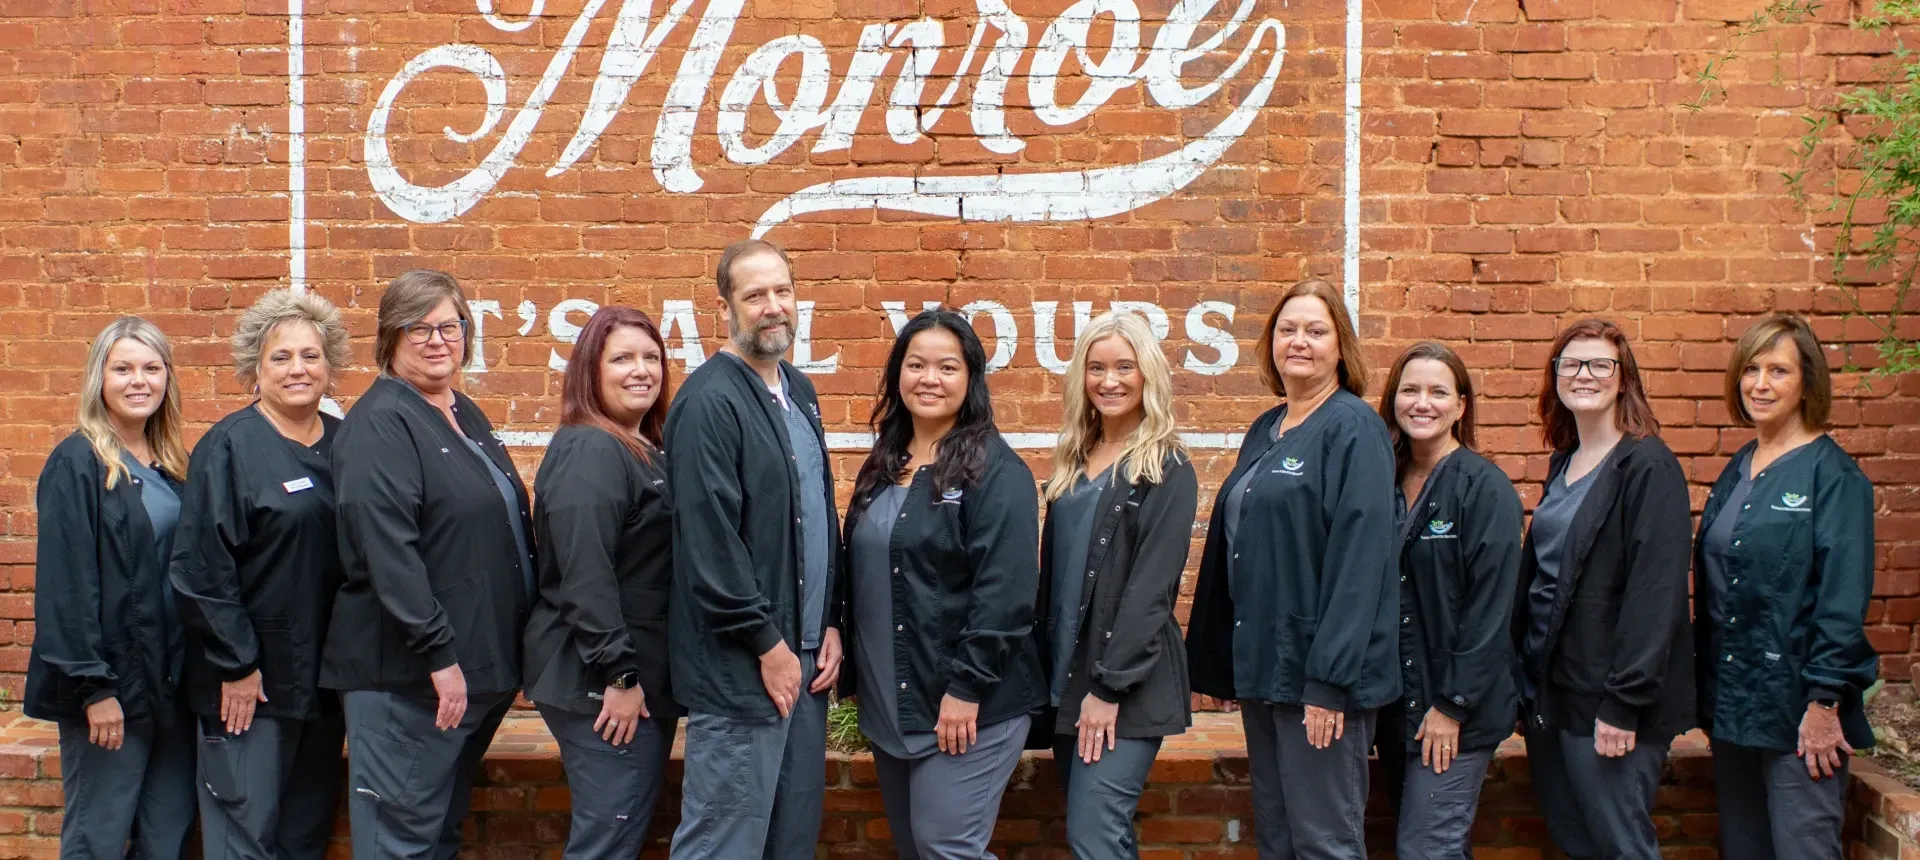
{"x": 1585, "y": 646}
{"x": 221, "y": 764}
{"x": 1295, "y": 640}
{"x": 129, "y": 676}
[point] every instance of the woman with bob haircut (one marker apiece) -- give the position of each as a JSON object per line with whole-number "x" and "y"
{"x": 942, "y": 536}
{"x": 1294, "y": 612}
{"x": 256, "y": 565}
{"x": 1120, "y": 507}
{"x": 108, "y": 643}
{"x": 1600, "y": 619}
{"x": 597, "y": 642}
{"x": 1459, "y": 553}
{"x": 1783, "y": 572}
{"x": 424, "y": 643}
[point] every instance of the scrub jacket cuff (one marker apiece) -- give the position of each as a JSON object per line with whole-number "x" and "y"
{"x": 1321, "y": 694}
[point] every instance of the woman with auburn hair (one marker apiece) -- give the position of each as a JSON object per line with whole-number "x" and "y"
{"x": 1294, "y": 612}
{"x": 108, "y": 644}
{"x": 1459, "y": 553}
{"x": 596, "y": 652}
{"x": 1783, "y": 572}
{"x": 1601, "y": 605}
{"x": 1120, "y": 506}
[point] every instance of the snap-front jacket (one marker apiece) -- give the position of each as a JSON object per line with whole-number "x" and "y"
{"x": 1800, "y": 578}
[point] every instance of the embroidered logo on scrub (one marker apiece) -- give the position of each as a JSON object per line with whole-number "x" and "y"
{"x": 950, "y": 497}
{"x": 1794, "y": 503}
{"x": 1291, "y": 466}
{"x": 1439, "y": 530}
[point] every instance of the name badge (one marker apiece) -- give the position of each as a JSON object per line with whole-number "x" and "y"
{"x": 297, "y": 486}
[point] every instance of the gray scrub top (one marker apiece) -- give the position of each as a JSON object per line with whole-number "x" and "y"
{"x": 1552, "y": 520}
{"x": 872, "y": 560}
{"x": 512, "y": 499}
{"x": 1716, "y": 546}
{"x": 811, "y": 464}
{"x": 162, "y": 503}
{"x": 1074, "y": 514}
{"x": 1245, "y": 484}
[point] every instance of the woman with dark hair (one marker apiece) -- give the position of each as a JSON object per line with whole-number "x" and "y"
{"x": 1783, "y": 572}
{"x": 1459, "y": 551}
{"x": 596, "y": 655}
{"x": 1601, "y": 605}
{"x": 1294, "y": 614}
{"x": 943, "y": 540}
{"x": 424, "y": 643}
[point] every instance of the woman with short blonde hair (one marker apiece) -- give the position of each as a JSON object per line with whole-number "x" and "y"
{"x": 1120, "y": 507}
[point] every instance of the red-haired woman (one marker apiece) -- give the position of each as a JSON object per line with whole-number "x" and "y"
{"x": 597, "y": 641}
{"x": 1601, "y": 612}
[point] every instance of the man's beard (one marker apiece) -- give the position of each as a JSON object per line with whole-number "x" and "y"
{"x": 769, "y": 341}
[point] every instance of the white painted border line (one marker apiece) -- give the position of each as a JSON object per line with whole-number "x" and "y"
{"x": 296, "y": 148}
{"x": 1351, "y": 254}
{"x": 862, "y": 441}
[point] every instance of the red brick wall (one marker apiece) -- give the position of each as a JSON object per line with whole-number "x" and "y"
{"x": 1521, "y": 164}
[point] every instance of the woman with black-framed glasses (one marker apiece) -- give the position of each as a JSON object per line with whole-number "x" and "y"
{"x": 435, "y": 537}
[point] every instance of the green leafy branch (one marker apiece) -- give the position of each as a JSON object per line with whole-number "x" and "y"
{"x": 1776, "y": 12}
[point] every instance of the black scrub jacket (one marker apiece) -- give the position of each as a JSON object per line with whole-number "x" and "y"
{"x": 1129, "y": 649}
{"x": 1618, "y": 648}
{"x": 736, "y": 522}
{"x": 605, "y": 528}
{"x": 1460, "y": 556}
{"x": 432, "y": 578}
{"x": 1800, "y": 578}
{"x": 1303, "y": 608}
{"x": 966, "y": 570}
{"x": 256, "y": 563}
{"x": 98, "y": 601}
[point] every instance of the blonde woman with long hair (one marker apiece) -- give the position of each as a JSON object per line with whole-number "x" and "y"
{"x": 1120, "y": 506}
{"x": 107, "y": 647}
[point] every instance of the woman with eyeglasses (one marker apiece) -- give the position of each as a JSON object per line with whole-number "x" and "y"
{"x": 425, "y": 639}
{"x": 1601, "y": 619}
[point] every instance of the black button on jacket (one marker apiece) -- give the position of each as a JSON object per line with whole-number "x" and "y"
{"x": 1302, "y": 608}
{"x": 256, "y": 563}
{"x": 1460, "y": 557}
{"x": 605, "y": 528}
{"x": 1129, "y": 649}
{"x": 1800, "y": 579}
{"x": 1618, "y": 646}
{"x": 967, "y": 573}
{"x": 432, "y": 578}
{"x": 98, "y": 603}
{"x": 737, "y": 529}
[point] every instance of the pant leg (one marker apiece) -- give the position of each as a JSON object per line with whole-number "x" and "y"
{"x": 1389, "y": 742}
{"x": 613, "y": 787}
{"x": 165, "y": 815}
{"x": 731, "y": 769}
{"x": 482, "y": 720}
{"x": 1740, "y": 791}
{"x": 403, "y": 772}
{"x": 1553, "y": 789}
{"x": 1806, "y": 814}
{"x": 896, "y": 793}
{"x": 1616, "y": 796}
{"x": 1272, "y": 836}
{"x": 1325, "y": 789}
{"x": 1436, "y": 809}
{"x": 240, "y": 779}
{"x": 956, "y": 798}
{"x": 102, "y": 789}
{"x": 310, "y": 787}
{"x": 801, "y": 792}
{"x": 1102, "y": 798}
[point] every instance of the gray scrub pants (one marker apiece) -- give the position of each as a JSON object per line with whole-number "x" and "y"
{"x": 410, "y": 783}
{"x": 142, "y": 791}
{"x": 613, "y": 787}
{"x": 1103, "y": 796}
{"x": 755, "y": 788}
{"x": 271, "y": 792}
{"x": 942, "y": 806}
{"x": 1308, "y": 803}
{"x": 1435, "y": 810}
{"x": 1596, "y": 808}
{"x": 1770, "y": 808}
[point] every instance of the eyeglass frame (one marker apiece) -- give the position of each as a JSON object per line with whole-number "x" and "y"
{"x": 459, "y": 336}
{"x": 1587, "y": 364}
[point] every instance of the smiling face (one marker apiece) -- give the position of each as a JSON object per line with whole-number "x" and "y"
{"x": 1114, "y": 384}
{"x": 430, "y": 366}
{"x": 1771, "y": 385}
{"x": 1427, "y": 403}
{"x": 933, "y": 376}
{"x": 135, "y": 383}
{"x": 1306, "y": 347}
{"x": 630, "y": 373}
{"x": 293, "y": 372}
{"x": 760, "y": 315}
{"x": 1585, "y": 391}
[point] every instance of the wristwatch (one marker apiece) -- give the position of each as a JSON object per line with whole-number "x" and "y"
{"x": 625, "y": 680}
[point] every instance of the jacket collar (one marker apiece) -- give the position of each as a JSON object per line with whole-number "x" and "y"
{"x": 1594, "y": 508}
{"x": 466, "y": 412}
